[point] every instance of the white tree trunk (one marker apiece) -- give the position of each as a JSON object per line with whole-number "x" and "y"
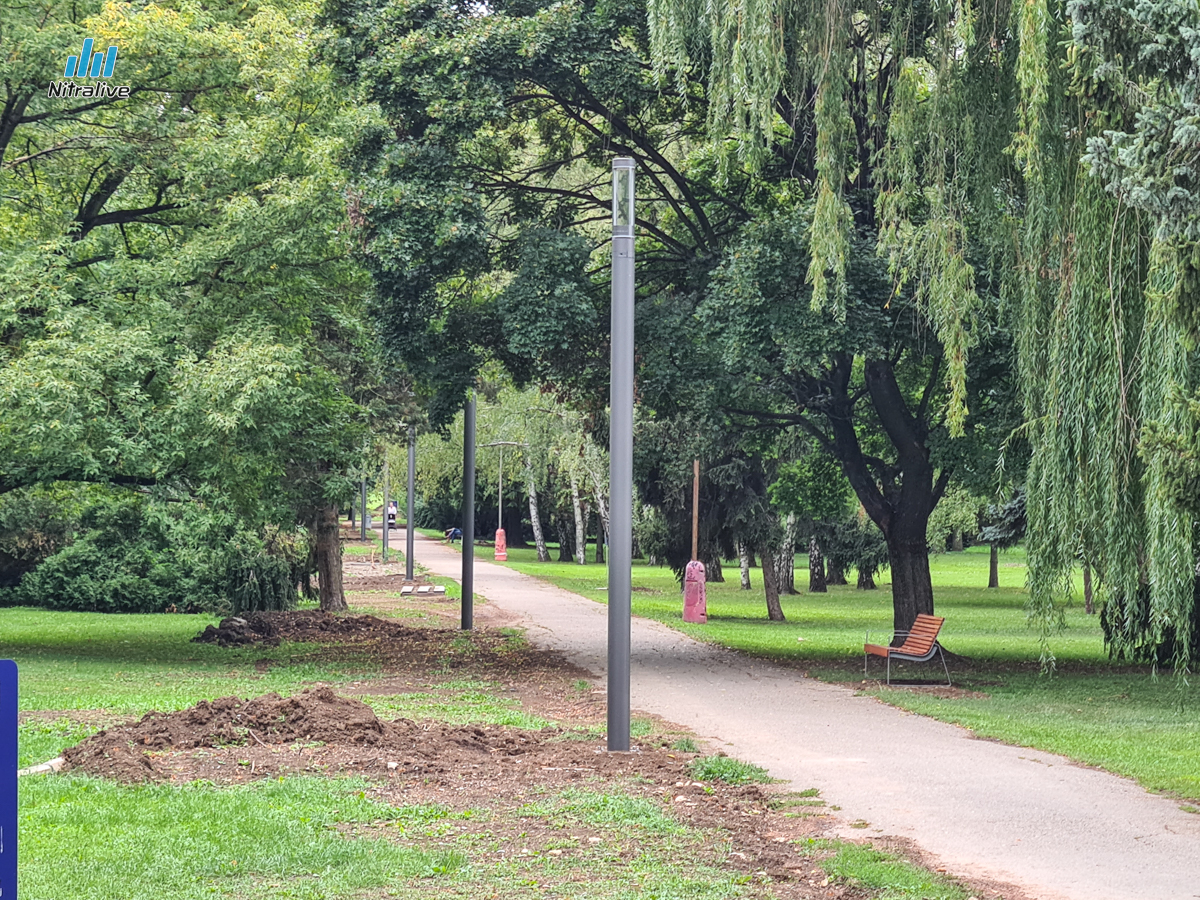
{"x": 787, "y": 573}
{"x": 580, "y": 525}
{"x": 538, "y": 537}
{"x": 744, "y": 559}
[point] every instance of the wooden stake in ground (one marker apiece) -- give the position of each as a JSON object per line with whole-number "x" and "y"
{"x": 695, "y": 603}
{"x": 695, "y": 510}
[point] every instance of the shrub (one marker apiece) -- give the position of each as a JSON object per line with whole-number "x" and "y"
{"x": 133, "y": 554}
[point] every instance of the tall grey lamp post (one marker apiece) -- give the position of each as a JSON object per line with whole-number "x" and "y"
{"x": 468, "y": 526}
{"x": 620, "y": 457}
{"x": 386, "y": 500}
{"x": 408, "y": 512}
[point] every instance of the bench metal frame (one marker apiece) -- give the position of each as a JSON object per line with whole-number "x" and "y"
{"x": 935, "y": 650}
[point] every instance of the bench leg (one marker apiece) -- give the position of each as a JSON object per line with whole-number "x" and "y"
{"x": 889, "y": 669}
{"x": 945, "y": 668}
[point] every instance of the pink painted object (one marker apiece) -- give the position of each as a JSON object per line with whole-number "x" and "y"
{"x": 695, "y": 605}
{"x": 501, "y": 546}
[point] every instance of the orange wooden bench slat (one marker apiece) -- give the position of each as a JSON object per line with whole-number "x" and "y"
{"x": 920, "y": 644}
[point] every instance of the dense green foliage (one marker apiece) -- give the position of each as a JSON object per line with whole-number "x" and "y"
{"x": 178, "y": 313}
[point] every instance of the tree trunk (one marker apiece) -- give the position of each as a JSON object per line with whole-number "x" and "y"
{"x": 866, "y": 581}
{"x": 602, "y": 514}
{"x": 994, "y": 568}
{"x": 538, "y": 538}
{"x": 787, "y": 574}
{"x": 834, "y": 573}
{"x": 770, "y": 573}
{"x": 566, "y": 552}
{"x": 329, "y": 559}
{"x": 912, "y": 588}
{"x": 816, "y": 568}
{"x": 744, "y": 560}
{"x": 712, "y": 567}
{"x": 580, "y": 525}
{"x": 1089, "y": 599}
{"x": 956, "y": 541}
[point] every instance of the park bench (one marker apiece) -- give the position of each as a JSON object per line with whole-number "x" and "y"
{"x": 411, "y": 587}
{"x": 920, "y": 645}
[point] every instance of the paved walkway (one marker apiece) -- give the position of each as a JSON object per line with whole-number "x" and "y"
{"x": 1056, "y": 830}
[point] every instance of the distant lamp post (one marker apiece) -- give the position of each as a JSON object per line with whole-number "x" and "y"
{"x": 620, "y": 456}
{"x": 501, "y": 554}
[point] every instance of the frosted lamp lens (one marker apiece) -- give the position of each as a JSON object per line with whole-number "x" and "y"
{"x": 622, "y": 198}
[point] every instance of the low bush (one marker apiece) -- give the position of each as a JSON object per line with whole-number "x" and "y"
{"x": 133, "y": 555}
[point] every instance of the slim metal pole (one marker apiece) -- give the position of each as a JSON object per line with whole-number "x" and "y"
{"x": 500, "y": 507}
{"x": 363, "y": 511}
{"x": 620, "y": 537}
{"x": 408, "y": 528}
{"x": 468, "y": 527}
{"x": 696, "y": 510}
{"x": 386, "y": 498}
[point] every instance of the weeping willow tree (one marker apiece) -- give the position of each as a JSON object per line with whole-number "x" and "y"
{"x": 1019, "y": 148}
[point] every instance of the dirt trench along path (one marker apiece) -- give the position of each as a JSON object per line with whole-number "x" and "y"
{"x": 1057, "y": 830}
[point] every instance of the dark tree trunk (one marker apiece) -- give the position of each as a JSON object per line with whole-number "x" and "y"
{"x": 750, "y": 560}
{"x": 834, "y": 573}
{"x": 994, "y": 568}
{"x": 866, "y": 581}
{"x": 566, "y": 545}
{"x": 329, "y": 559}
{"x": 599, "y": 541}
{"x": 770, "y": 573}
{"x": 912, "y": 588}
{"x": 712, "y": 569}
{"x": 905, "y": 494}
{"x": 1089, "y": 599}
{"x": 897, "y": 486}
{"x": 816, "y": 568}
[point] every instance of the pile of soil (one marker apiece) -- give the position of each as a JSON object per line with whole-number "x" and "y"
{"x": 305, "y": 625}
{"x": 317, "y": 714}
{"x": 390, "y": 644}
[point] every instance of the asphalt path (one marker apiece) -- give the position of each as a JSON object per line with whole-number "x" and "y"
{"x": 1054, "y": 829}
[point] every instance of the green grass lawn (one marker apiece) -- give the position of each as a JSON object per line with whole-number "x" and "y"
{"x": 135, "y": 663}
{"x": 1117, "y": 717}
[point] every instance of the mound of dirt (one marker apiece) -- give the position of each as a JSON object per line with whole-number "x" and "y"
{"x": 317, "y": 714}
{"x": 305, "y": 625}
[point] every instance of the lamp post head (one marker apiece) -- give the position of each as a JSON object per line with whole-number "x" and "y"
{"x": 622, "y": 203}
